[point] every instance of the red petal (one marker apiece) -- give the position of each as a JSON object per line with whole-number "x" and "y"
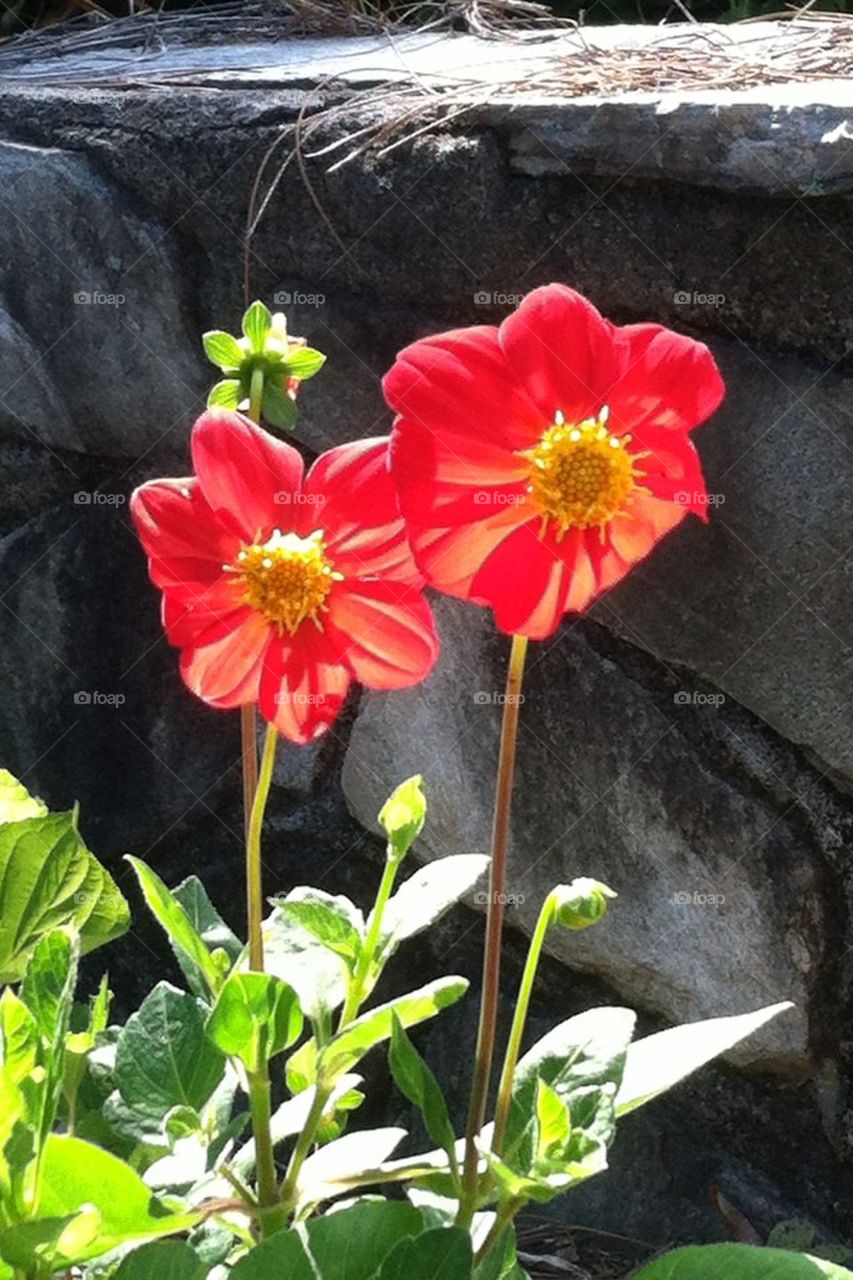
{"x": 672, "y": 470}
{"x": 303, "y": 685}
{"x": 223, "y": 667}
{"x": 671, "y": 382}
{"x": 173, "y": 519}
{"x": 565, "y": 354}
{"x": 524, "y": 582}
{"x": 386, "y": 633}
{"x": 458, "y": 385}
{"x": 451, "y": 558}
{"x": 190, "y": 611}
{"x": 349, "y": 494}
{"x": 246, "y": 475}
{"x": 633, "y": 534}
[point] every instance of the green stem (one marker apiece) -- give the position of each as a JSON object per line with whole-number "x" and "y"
{"x": 494, "y": 930}
{"x": 304, "y": 1143}
{"x": 254, "y": 878}
{"x": 271, "y": 1212}
{"x": 355, "y": 993}
{"x": 256, "y": 393}
{"x": 519, "y": 1020}
{"x": 248, "y": 715}
{"x": 504, "y": 1216}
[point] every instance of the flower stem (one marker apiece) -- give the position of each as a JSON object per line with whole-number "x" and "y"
{"x": 254, "y": 882}
{"x": 494, "y": 929}
{"x": 248, "y": 716}
{"x": 271, "y": 1212}
{"x": 355, "y": 993}
{"x": 304, "y": 1143}
{"x": 519, "y": 1020}
{"x": 504, "y": 1216}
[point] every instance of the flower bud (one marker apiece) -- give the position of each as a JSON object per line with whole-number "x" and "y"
{"x": 581, "y": 903}
{"x": 402, "y": 816}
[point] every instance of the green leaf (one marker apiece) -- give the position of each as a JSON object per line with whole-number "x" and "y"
{"x": 402, "y": 816}
{"x": 740, "y": 1262}
{"x": 222, "y": 350}
{"x": 49, "y": 879}
{"x": 256, "y": 324}
{"x": 552, "y": 1120}
{"x": 426, "y": 895}
{"x": 255, "y": 1017}
{"x": 192, "y": 954}
{"x": 225, "y": 394}
{"x": 440, "y": 1254}
{"x": 206, "y": 920}
{"x": 333, "y": 921}
{"x": 19, "y": 1037}
{"x": 303, "y": 363}
{"x": 277, "y": 408}
{"x": 48, "y": 992}
{"x": 119, "y": 1209}
{"x": 416, "y": 1082}
{"x": 349, "y": 1245}
{"x": 583, "y": 1051}
{"x": 161, "y": 1260}
{"x": 164, "y": 1059}
{"x": 350, "y": 1045}
{"x": 16, "y": 802}
{"x": 658, "y": 1062}
{"x": 318, "y": 976}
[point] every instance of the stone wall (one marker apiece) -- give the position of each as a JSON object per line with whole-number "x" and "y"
{"x": 689, "y": 742}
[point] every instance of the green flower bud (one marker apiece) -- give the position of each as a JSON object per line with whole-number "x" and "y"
{"x": 402, "y": 816}
{"x": 581, "y": 903}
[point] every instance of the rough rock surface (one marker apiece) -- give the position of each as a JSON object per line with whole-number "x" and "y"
{"x": 692, "y": 738}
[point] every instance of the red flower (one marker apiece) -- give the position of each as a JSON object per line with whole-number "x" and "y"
{"x": 538, "y": 461}
{"x": 280, "y": 590}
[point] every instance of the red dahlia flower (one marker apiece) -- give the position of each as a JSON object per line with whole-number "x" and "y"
{"x": 538, "y": 461}
{"x": 280, "y": 590}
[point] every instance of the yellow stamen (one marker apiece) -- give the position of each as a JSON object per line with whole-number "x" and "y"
{"x": 580, "y": 474}
{"x": 286, "y": 578}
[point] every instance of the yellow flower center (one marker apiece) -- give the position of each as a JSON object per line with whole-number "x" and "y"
{"x": 286, "y": 578}
{"x": 580, "y": 474}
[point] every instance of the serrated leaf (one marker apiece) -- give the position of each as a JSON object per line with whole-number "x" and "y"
{"x": 225, "y": 394}
{"x": 416, "y": 1082}
{"x": 256, "y": 1016}
{"x": 277, "y": 408}
{"x": 161, "y": 1260}
{"x": 256, "y": 324}
{"x": 190, "y": 949}
{"x": 19, "y": 1037}
{"x": 164, "y": 1059}
{"x": 206, "y": 920}
{"x": 349, "y": 1245}
{"x": 49, "y": 879}
{"x": 119, "y": 1209}
{"x": 16, "y": 802}
{"x": 740, "y": 1262}
{"x": 222, "y": 350}
{"x": 303, "y": 363}
{"x": 333, "y": 921}
{"x": 656, "y": 1063}
{"x": 440, "y": 1254}
{"x": 318, "y": 976}
{"x": 350, "y": 1045}
{"x": 426, "y": 895}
